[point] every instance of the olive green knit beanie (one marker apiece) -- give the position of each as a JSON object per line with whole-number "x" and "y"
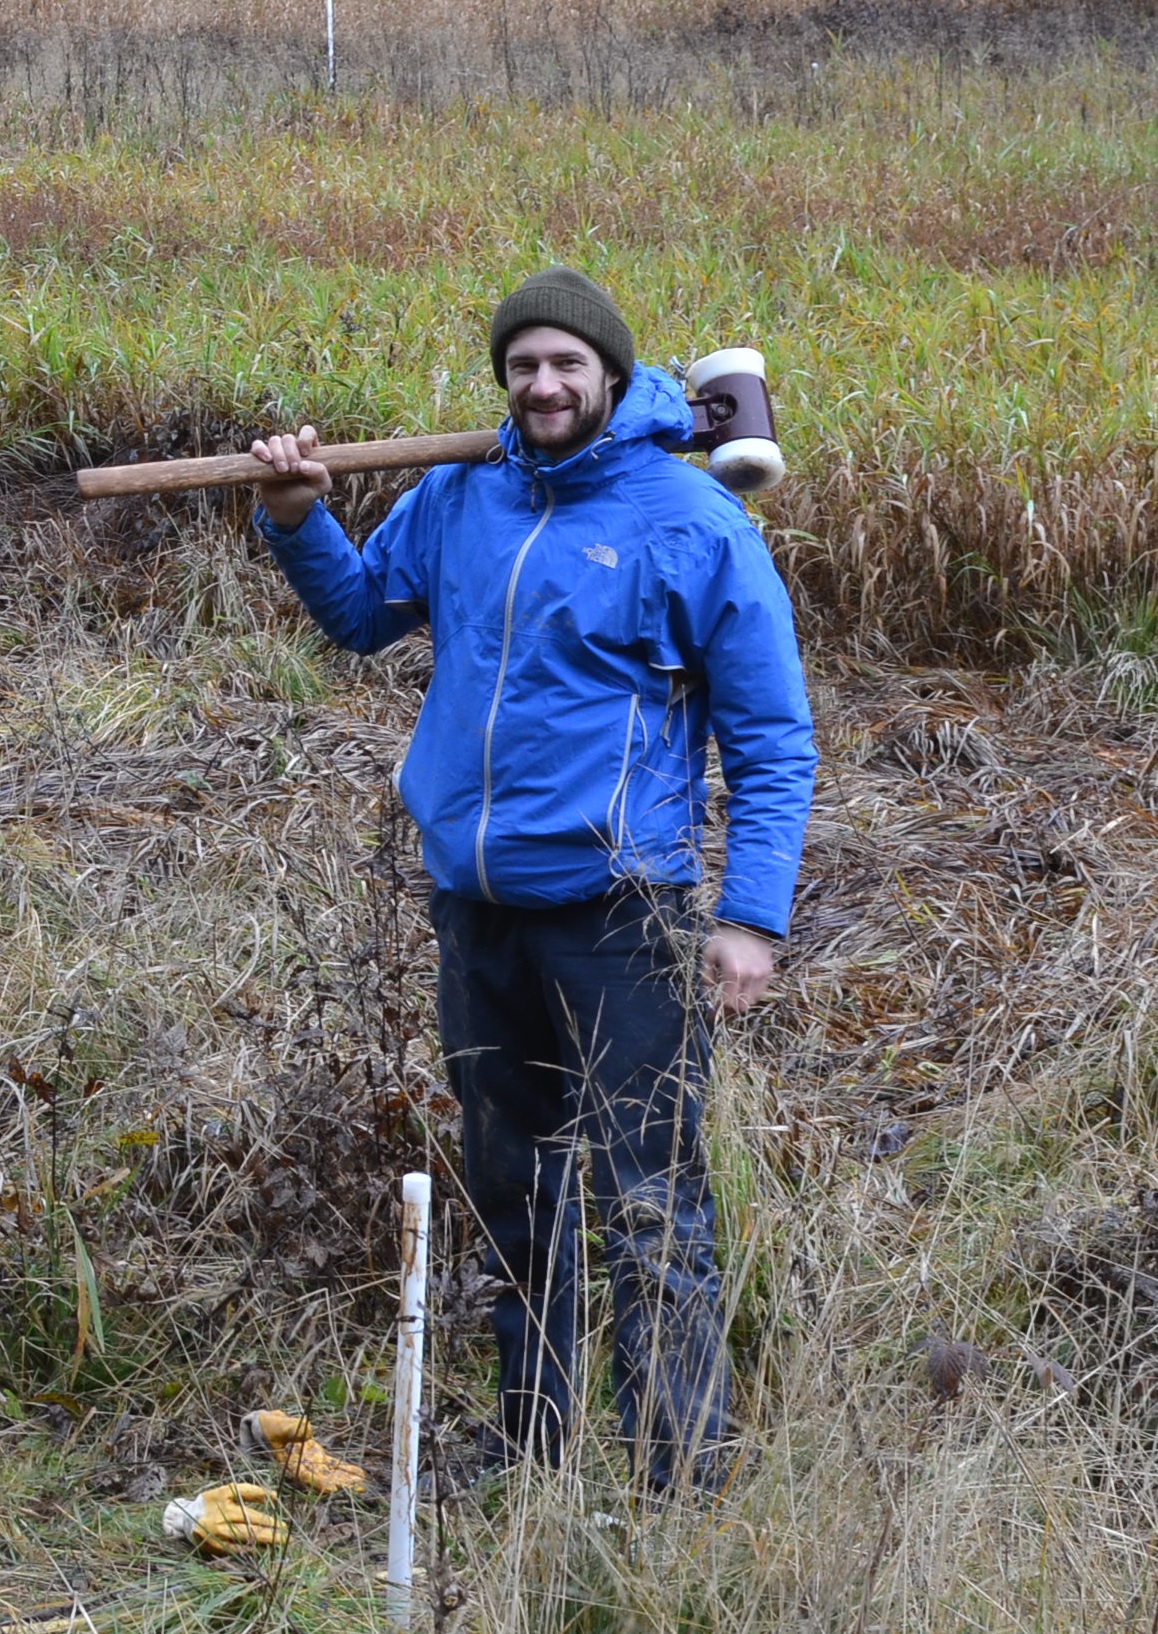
{"x": 563, "y": 299}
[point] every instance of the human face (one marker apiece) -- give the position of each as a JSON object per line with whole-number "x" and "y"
{"x": 559, "y": 390}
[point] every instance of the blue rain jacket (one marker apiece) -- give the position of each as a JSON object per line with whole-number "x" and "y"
{"x": 592, "y": 621}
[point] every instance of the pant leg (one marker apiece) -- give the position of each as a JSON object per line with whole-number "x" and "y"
{"x": 519, "y": 1149}
{"x": 623, "y": 979}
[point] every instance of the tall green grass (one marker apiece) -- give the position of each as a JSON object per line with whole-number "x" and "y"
{"x": 973, "y": 284}
{"x": 954, "y": 295}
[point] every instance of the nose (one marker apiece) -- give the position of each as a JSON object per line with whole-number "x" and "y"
{"x": 546, "y": 382}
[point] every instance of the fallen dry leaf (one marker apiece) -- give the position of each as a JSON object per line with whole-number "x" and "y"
{"x": 1050, "y": 1372}
{"x": 948, "y": 1362}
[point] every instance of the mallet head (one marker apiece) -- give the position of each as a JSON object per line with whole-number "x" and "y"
{"x": 733, "y": 420}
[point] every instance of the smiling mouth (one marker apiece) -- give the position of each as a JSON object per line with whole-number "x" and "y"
{"x": 550, "y": 422}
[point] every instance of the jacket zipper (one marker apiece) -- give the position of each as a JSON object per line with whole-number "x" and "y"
{"x": 619, "y": 793}
{"x": 488, "y": 736}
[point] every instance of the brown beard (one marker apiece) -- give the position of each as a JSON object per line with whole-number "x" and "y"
{"x": 586, "y": 427}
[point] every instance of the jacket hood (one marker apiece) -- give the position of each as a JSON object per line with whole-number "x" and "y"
{"x": 653, "y": 408}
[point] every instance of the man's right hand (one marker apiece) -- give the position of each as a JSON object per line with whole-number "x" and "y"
{"x": 304, "y": 480}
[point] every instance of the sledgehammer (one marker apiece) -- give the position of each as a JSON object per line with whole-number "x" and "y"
{"x": 731, "y": 422}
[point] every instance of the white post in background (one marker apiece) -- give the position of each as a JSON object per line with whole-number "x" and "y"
{"x": 330, "y": 62}
{"x": 408, "y": 1396}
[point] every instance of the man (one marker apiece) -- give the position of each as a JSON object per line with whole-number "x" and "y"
{"x": 597, "y": 607}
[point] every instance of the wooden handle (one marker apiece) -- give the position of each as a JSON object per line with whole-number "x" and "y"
{"x": 230, "y": 470}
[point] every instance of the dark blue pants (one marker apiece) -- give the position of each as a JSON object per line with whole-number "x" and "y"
{"x": 584, "y": 1023}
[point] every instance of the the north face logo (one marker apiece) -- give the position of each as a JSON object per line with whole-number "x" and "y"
{"x": 603, "y": 554}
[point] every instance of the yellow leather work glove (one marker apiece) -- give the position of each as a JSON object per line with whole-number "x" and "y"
{"x": 221, "y": 1521}
{"x": 289, "y": 1441}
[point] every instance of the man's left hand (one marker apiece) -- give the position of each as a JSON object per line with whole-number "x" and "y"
{"x": 737, "y": 967}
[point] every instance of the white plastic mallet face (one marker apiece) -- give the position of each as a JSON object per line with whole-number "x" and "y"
{"x": 745, "y": 459}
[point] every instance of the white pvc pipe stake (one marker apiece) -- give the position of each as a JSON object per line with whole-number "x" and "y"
{"x": 408, "y": 1396}
{"x": 331, "y": 64}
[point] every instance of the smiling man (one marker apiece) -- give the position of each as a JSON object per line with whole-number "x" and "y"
{"x": 560, "y": 391}
{"x": 598, "y": 608}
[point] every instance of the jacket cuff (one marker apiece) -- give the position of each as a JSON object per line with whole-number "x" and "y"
{"x": 753, "y": 930}
{"x": 270, "y": 530}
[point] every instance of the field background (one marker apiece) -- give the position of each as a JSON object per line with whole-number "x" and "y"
{"x": 171, "y": 61}
{"x": 934, "y": 1143}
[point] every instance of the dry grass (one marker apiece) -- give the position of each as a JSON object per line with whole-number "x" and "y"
{"x": 525, "y": 17}
{"x": 942, "y": 1121}
{"x": 964, "y": 560}
{"x": 190, "y": 55}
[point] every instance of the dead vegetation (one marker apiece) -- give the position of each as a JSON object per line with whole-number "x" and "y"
{"x": 188, "y": 55}
{"x": 933, "y": 1140}
{"x": 979, "y": 890}
{"x": 962, "y": 560}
